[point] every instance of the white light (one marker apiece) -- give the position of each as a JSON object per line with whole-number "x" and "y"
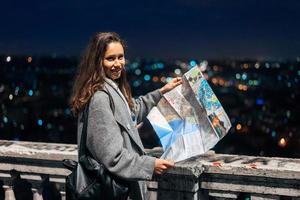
{"x": 288, "y": 113}
{"x": 177, "y": 71}
{"x": 11, "y": 97}
{"x": 2, "y": 88}
{"x": 137, "y": 72}
{"x": 5, "y": 119}
{"x": 8, "y": 59}
{"x": 17, "y": 90}
{"x": 169, "y": 79}
{"x": 203, "y": 65}
{"x": 244, "y": 76}
{"x": 267, "y": 65}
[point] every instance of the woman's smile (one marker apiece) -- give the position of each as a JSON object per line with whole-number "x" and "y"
{"x": 114, "y": 60}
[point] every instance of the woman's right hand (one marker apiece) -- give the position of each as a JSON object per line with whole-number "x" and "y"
{"x": 162, "y": 165}
{"x": 171, "y": 85}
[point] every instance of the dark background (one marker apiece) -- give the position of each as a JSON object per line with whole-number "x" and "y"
{"x": 252, "y": 49}
{"x": 155, "y": 29}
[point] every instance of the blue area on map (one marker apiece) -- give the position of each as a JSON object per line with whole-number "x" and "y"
{"x": 161, "y": 131}
{"x": 179, "y": 127}
{"x": 205, "y": 96}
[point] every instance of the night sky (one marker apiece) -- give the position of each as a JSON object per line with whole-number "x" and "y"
{"x": 260, "y": 29}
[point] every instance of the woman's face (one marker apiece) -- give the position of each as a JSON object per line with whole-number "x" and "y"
{"x": 114, "y": 60}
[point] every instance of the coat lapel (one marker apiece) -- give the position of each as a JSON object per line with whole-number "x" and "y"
{"x": 113, "y": 86}
{"x": 122, "y": 115}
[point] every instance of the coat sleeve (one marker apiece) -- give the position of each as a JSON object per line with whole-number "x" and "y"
{"x": 105, "y": 142}
{"x": 144, "y": 104}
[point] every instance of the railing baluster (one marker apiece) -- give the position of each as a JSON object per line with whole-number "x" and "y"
{"x": 37, "y": 182}
{"x": 63, "y": 195}
{"x": 7, "y": 179}
{"x": 37, "y": 193}
{"x": 9, "y": 192}
{"x": 60, "y": 185}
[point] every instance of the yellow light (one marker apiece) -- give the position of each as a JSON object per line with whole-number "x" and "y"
{"x": 245, "y": 88}
{"x": 214, "y": 81}
{"x": 29, "y": 59}
{"x": 282, "y": 142}
{"x": 221, "y": 82}
{"x": 240, "y": 87}
{"x": 238, "y": 127}
{"x": 245, "y": 66}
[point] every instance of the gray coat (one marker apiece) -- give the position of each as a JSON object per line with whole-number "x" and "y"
{"x": 113, "y": 139}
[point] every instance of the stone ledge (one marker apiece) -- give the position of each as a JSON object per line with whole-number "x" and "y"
{"x": 220, "y": 174}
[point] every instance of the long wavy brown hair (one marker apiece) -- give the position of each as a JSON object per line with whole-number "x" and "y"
{"x": 90, "y": 75}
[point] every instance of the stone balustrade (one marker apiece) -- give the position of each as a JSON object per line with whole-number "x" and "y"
{"x": 38, "y": 167}
{"x": 36, "y": 163}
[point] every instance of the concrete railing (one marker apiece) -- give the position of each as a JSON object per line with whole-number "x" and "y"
{"x": 210, "y": 176}
{"x": 36, "y": 163}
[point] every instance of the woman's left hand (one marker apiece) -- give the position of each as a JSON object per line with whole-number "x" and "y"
{"x": 172, "y": 84}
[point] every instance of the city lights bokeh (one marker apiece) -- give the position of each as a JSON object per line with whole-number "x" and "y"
{"x": 260, "y": 97}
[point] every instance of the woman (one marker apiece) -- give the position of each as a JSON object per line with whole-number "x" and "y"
{"x": 112, "y": 136}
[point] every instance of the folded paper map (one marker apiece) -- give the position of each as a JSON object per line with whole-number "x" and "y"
{"x": 189, "y": 120}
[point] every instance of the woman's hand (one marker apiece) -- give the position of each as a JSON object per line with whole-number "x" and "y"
{"x": 172, "y": 84}
{"x": 162, "y": 165}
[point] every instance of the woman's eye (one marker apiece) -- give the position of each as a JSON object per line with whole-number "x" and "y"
{"x": 110, "y": 58}
{"x": 121, "y": 57}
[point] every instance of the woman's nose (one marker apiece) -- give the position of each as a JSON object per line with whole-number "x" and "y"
{"x": 117, "y": 63}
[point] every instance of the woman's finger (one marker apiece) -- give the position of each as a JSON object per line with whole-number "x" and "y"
{"x": 164, "y": 167}
{"x": 169, "y": 163}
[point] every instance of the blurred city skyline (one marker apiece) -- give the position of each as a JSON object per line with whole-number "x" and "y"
{"x": 260, "y": 99}
{"x": 206, "y": 29}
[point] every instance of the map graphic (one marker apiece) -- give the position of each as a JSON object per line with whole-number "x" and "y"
{"x": 189, "y": 120}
